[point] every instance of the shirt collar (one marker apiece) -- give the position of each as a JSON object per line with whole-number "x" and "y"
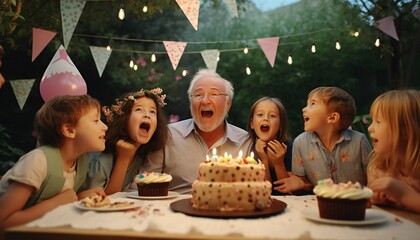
{"x": 344, "y": 135}
{"x": 230, "y": 133}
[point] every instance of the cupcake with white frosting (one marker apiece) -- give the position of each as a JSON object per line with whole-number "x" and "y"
{"x": 342, "y": 201}
{"x": 153, "y": 184}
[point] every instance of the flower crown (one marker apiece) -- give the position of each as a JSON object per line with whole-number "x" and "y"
{"x": 120, "y": 103}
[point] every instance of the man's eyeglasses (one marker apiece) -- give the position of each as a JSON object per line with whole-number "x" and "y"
{"x": 211, "y": 96}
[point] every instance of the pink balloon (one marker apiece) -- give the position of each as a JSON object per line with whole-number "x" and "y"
{"x": 61, "y": 77}
{"x": 65, "y": 83}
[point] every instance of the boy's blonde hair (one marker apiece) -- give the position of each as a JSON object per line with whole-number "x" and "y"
{"x": 401, "y": 110}
{"x": 337, "y": 100}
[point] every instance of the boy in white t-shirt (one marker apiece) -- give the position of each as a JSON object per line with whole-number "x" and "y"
{"x": 68, "y": 127}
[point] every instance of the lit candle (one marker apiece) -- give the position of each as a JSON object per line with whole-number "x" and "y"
{"x": 226, "y": 155}
{"x": 240, "y": 154}
{"x": 252, "y": 154}
{"x": 207, "y": 157}
{"x": 214, "y": 151}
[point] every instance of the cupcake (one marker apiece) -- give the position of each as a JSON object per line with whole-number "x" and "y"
{"x": 153, "y": 184}
{"x": 343, "y": 201}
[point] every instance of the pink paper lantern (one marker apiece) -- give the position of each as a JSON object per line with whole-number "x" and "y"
{"x": 61, "y": 77}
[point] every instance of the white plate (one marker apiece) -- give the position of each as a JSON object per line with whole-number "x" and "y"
{"x": 136, "y": 196}
{"x": 371, "y": 217}
{"x": 110, "y": 209}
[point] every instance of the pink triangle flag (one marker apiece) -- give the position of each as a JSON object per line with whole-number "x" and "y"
{"x": 387, "y": 26}
{"x": 40, "y": 39}
{"x": 70, "y": 14}
{"x": 231, "y": 4}
{"x": 100, "y": 56}
{"x": 21, "y": 89}
{"x": 175, "y": 51}
{"x": 210, "y": 58}
{"x": 191, "y": 10}
{"x": 269, "y": 47}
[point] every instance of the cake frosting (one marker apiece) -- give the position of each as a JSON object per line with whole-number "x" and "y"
{"x": 231, "y": 184}
{"x": 148, "y": 178}
{"x": 328, "y": 189}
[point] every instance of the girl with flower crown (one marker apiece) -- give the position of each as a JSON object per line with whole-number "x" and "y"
{"x": 394, "y": 171}
{"x": 136, "y": 126}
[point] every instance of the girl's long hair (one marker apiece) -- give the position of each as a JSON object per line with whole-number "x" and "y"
{"x": 401, "y": 110}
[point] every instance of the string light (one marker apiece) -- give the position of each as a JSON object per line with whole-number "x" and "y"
{"x": 377, "y": 42}
{"x": 121, "y": 13}
{"x": 248, "y": 71}
{"x": 289, "y": 59}
{"x": 108, "y": 47}
{"x": 218, "y": 58}
{"x": 356, "y": 34}
{"x": 135, "y": 67}
{"x": 337, "y": 45}
{"x": 184, "y": 73}
{"x": 153, "y": 58}
{"x": 313, "y": 48}
{"x": 131, "y": 63}
{"x": 246, "y": 50}
{"x": 145, "y": 8}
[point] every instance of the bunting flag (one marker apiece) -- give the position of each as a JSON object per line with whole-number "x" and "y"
{"x": 40, "y": 39}
{"x": 387, "y": 26}
{"x": 70, "y": 14}
{"x": 174, "y": 50}
{"x": 191, "y": 10}
{"x": 416, "y": 12}
{"x": 210, "y": 58}
{"x": 100, "y": 56}
{"x": 231, "y": 4}
{"x": 269, "y": 46}
{"x": 21, "y": 89}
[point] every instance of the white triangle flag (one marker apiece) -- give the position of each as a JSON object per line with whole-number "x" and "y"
{"x": 70, "y": 14}
{"x": 100, "y": 56}
{"x": 210, "y": 58}
{"x": 21, "y": 89}
{"x": 269, "y": 46}
{"x": 191, "y": 9}
{"x": 174, "y": 50}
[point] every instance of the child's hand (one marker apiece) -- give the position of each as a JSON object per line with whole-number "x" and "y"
{"x": 126, "y": 149}
{"x": 65, "y": 197}
{"x": 388, "y": 188}
{"x": 289, "y": 184}
{"x": 260, "y": 148}
{"x": 276, "y": 151}
{"x": 91, "y": 192}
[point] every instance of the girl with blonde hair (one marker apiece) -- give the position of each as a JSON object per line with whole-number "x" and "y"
{"x": 394, "y": 169}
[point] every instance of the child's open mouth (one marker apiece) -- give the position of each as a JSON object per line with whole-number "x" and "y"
{"x": 264, "y": 128}
{"x": 144, "y": 128}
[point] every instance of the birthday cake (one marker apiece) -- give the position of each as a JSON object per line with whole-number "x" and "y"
{"x": 231, "y": 184}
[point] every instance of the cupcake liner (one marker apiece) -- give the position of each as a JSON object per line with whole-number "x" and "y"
{"x": 342, "y": 209}
{"x": 153, "y": 189}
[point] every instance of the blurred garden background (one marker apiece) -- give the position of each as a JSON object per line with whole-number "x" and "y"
{"x": 359, "y": 66}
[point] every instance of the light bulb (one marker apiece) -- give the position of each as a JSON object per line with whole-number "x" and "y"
{"x": 184, "y": 73}
{"x": 337, "y": 45}
{"x": 121, "y": 14}
{"x": 131, "y": 63}
{"x": 290, "y": 60}
{"x": 153, "y": 59}
{"x": 218, "y": 58}
{"x": 313, "y": 48}
{"x": 246, "y": 50}
{"x": 108, "y": 47}
{"x": 248, "y": 70}
{"x": 377, "y": 42}
{"x": 145, "y": 8}
{"x": 135, "y": 67}
{"x": 356, "y": 34}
